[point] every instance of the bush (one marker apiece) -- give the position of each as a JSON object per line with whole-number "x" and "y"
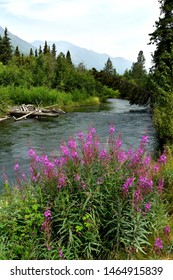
{"x": 89, "y": 203}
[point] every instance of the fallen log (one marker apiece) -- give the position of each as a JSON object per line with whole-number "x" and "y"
{"x": 24, "y": 117}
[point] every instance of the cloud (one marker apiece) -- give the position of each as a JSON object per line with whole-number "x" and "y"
{"x": 116, "y": 27}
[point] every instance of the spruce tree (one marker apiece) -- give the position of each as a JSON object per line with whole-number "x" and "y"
{"x": 162, "y": 71}
{"x": 138, "y": 71}
{"x": 162, "y": 37}
{"x": 31, "y": 52}
{"x": 53, "y": 51}
{"x": 5, "y": 48}
{"x": 68, "y": 58}
{"x": 17, "y": 52}
{"x": 109, "y": 68}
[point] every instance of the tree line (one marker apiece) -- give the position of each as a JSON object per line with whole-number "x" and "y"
{"x": 45, "y": 67}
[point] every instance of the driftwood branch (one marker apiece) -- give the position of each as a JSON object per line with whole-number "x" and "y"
{"x": 23, "y": 117}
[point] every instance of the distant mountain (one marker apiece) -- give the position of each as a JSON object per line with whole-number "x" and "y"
{"x": 24, "y": 47}
{"x": 89, "y": 58}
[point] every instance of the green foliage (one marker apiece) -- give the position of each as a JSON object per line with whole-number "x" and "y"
{"x": 163, "y": 117}
{"x": 5, "y": 48}
{"x": 163, "y": 56}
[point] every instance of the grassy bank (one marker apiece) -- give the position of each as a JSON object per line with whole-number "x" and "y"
{"x": 90, "y": 203}
{"x": 43, "y": 96}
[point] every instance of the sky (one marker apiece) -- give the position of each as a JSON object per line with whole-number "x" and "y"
{"x": 118, "y": 28}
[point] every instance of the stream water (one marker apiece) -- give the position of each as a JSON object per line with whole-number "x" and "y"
{"x": 47, "y": 134}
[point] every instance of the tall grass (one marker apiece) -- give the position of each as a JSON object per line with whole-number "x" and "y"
{"x": 43, "y": 96}
{"x": 89, "y": 203}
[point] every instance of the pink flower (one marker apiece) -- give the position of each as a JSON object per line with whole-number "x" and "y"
{"x": 80, "y": 135}
{"x": 162, "y": 159}
{"x": 72, "y": 144}
{"x": 144, "y": 139}
{"x": 127, "y": 184}
{"x": 65, "y": 150}
{"x": 76, "y": 177}
{"x": 93, "y": 130}
{"x": 16, "y": 167}
{"x": 48, "y": 214}
{"x": 102, "y": 154}
{"x": 74, "y": 154}
{"x": 147, "y": 207}
{"x": 158, "y": 245}
{"x": 166, "y": 230}
{"x": 111, "y": 129}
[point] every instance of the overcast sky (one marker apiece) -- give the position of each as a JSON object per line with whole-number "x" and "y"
{"x": 115, "y": 27}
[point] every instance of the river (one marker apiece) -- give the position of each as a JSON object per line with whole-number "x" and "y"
{"x": 47, "y": 134}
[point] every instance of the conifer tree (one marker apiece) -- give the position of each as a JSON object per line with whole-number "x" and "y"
{"x": 138, "y": 71}
{"x": 5, "y": 48}
{"x": 68, "y": 58}
{"x": 31, "y": 52}
{"x": 109, "y": 68}
{"x": 17, "y": 52}
{"x": 53, "y": 51}
{"x": 162, "y": 37}
{"x": 40, "y": 50}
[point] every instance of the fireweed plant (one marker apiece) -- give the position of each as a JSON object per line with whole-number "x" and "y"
{"x": 91, "y": 202}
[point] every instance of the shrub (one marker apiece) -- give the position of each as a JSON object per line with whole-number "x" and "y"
{"x": 89, "y": 203}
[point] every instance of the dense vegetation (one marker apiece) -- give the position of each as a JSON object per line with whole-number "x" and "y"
{"x": 92, "y": 202}
{"x": 45, "y": 78}
{"x": 89, "y": 203}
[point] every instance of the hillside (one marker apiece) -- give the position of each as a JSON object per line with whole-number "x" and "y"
{"x": 89, "y": 58}
{"x": 23, "y": 46}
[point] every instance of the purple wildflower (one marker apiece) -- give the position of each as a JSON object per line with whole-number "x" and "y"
{"x": 147, "y": 160}
{"x": 80, "y": 135}
{"x": 147, "y": 207}
{"x": 158, "y": 245}
{"x": 156, "y": 168}
{"x": 122, "y": 156}
{"x": 162, "y": 159}
{"x": 61, "y": 255}
{"x": 76, "y": 177}
{"x": 127, "y": 184}
{"x": 89, "y": 137}
{"x": 5, "y": 177}
{"x": 161, "y": 185}
{"x": 31, "y": 153}
{"x": 166, "y": 229}
{"x": 62, "y": 181}
{"x": 65, "y": 150}
{"x": 74, "y": 154}
{"x": 84, "y": 185}
{"x": 137, "y": 196}
{"x": 23, "y": 176}
{"x": 118, "y": 142}
{"x": 144, "y": 139}
{"x": 93, "y": 130}
{"x": 16, "y": 167}
{"x": 103, "y": 154}
{"x": 72, "y": 144}
{"x": 48, "y": 214}
{"x": 111, "y": 129}
{"x": 145, "y": 183}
